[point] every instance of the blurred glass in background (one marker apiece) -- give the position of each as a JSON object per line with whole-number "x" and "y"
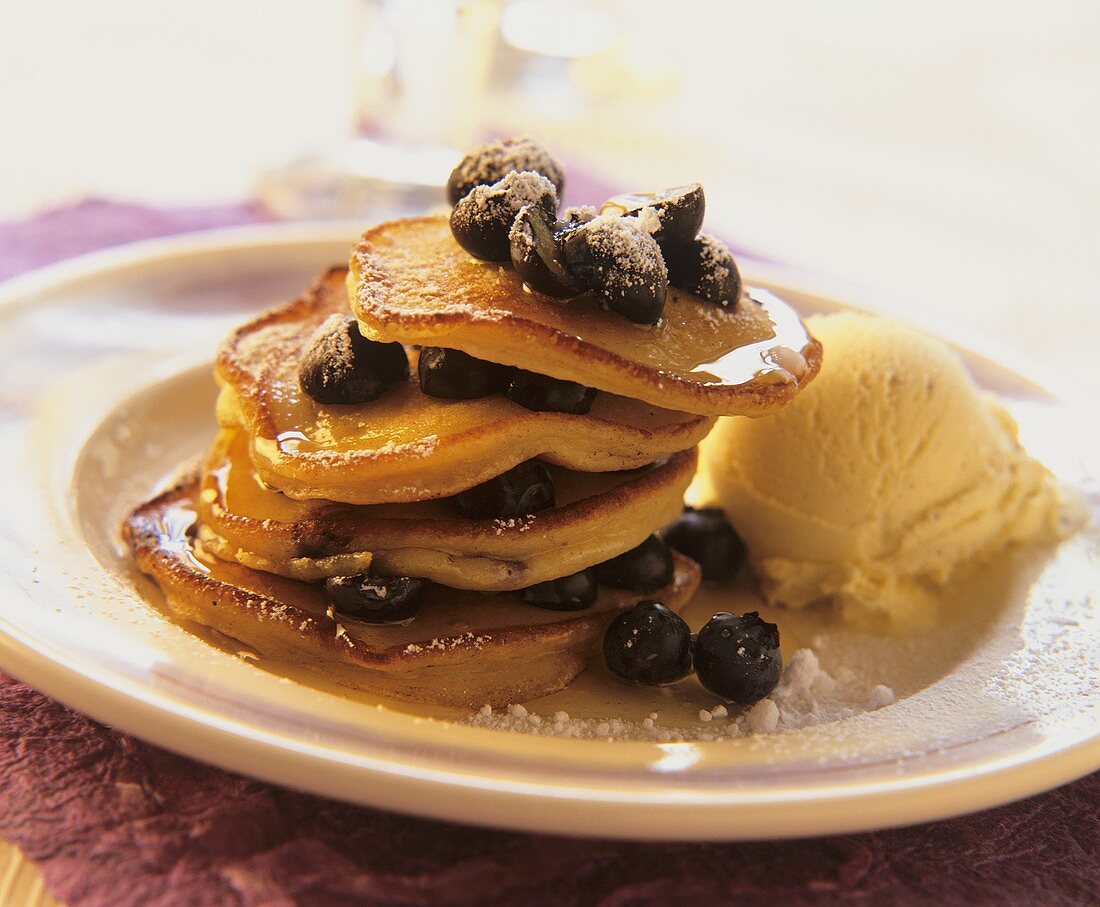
{"x": 433, "y": 77}
{"x": 419, "y": 84}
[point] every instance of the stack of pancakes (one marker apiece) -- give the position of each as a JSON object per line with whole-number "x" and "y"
{"x": 293, "y": 491}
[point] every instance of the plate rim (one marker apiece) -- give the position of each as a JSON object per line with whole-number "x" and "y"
{"x": 473, "y": 800}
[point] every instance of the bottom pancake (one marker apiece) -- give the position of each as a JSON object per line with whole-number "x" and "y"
{"x": 463, "y": 649}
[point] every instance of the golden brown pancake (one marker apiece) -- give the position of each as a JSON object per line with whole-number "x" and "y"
{"x": 408, "y": 446}
{"x": 410, "y": 281}
{"x": 598, "y": 516}
{"x": 464, "y": 649}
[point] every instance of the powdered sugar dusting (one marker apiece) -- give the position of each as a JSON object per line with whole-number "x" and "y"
{"x": 626, "y": 240}
{"x": 525, "y": 187}
{"x": 330, "y": 353}
{"x": 332, "y": 339}
{"x": 513, "y": 524}
{"x": 623, "y": 241}
{"x": 762, "y": 718}
{"x": 806, "y": 695}
{"x": 448, "y": 643}
{"x": 257, "y": 351}
{"x": 494, "y": 160}
{"x": 421, "y": 447}
{"x": 714, "y": 254}
{"x": 881, "y": 696}
{"x": 649, "y": 220}
{"x": 502, "y": 200}
{"x": 521, "y": 233}
{"x": 579, "y": 214}
{"x": 717, "y": 263}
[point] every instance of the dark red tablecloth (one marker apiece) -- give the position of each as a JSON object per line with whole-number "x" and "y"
{"x": 114, "y": 821}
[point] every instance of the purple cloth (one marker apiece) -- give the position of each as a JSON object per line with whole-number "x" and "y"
{"x": 112, "y": 820}
{"x": 96, "y": 224}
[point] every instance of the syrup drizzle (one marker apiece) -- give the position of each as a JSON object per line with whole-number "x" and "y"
{"x": 289, "y": 441}
{"x": 778, "y": 358}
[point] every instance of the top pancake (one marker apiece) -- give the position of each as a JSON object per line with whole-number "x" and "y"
{"x": 408, "y": 446}
{"x": 410, "y": 281}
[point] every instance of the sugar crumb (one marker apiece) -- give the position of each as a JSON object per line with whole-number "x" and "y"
{"x": 806, "y": 696}
{"x": 881, "y": 696}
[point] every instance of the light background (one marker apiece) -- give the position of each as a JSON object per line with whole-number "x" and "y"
{"x": 944, "y": 154}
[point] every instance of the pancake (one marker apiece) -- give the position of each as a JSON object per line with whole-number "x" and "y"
{"x": 464, "y": 649}
{"x": 407, "y": 446}
{"x": 410, "y": 281}
{"x": 599, "y": 515}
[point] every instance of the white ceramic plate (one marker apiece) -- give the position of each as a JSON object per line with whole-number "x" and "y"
{"x": 105, "y": 390}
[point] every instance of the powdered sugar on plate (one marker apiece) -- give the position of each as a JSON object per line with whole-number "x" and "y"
{"x": 806, "y": 695}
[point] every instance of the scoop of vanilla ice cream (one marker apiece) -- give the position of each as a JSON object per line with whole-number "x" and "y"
{"x": 882, "y": 476}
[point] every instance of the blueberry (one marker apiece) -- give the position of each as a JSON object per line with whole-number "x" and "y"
{"x": 566, "y": 593}
{"x": 679, "y": 211}
{"x": 378, "y": 599}
{"x": 342, "y": 366}
{"x": 455, "y": 375}
{"x": 549, "y": 395}
{"x": 642, "y": 569}
{"x": 536, "y": 254}
{"x": 493, "y": 161}
{"x": 481, "y": 221}
{"x": 738, "y": 657}
{"x": 648, "y": 644}
{"x": 706, "y": 268}
{"x": 706, "y": 536}
{"x": 522, "y": 490}
{"x": 620, "y": 264}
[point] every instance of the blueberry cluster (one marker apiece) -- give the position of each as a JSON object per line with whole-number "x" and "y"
{"x": 482, "y": 219}
{"x": 528, "y": 489}
{"x": 734, "y": 656}
{"x": 625, "y": 256}
{"x": 454, "y": 375}
{"x": 341, "y": 366}
{"x": 697, "y": 262}
{"x": 521, "y": 491}
{"x": 505, "y": 198}
{"x": 646, "y": 568}
{"x": 704, "y": 535}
